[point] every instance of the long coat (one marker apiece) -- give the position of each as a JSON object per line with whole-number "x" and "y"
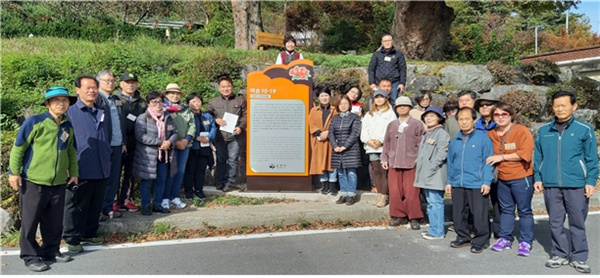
{"x": 320, "y": 158}
{"x": 343, "y": 132}
{"x": 146, "y": 153}
{"x": 431, "y": 160}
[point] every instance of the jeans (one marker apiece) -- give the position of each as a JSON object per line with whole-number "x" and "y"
{"x": 348, "y": 180}
{"x": 394, "y": 92}
{"x": 228, "y": 154}
{"x": 435, "y": 211}
{"x": 173, "y": 185}
{"x": 517, "y": 192}
{"x": 328, "y": 176}
{"x": 159, "y": 186}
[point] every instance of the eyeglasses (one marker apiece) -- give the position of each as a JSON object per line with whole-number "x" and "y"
{"x": 109, "y": 81}
{"x": 503, "y": 115}
{"x": 486, "y": 104}
{"x": 156, "y": 101}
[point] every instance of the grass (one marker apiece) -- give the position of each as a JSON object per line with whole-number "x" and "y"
{"x": 10, "y": 238}
{"x": 161, "y": 228}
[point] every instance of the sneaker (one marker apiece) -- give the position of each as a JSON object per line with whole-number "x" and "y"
{"x": 200, "y": 195}
{"x": 147, "y": 211}
{"x": 117, "y": 208}
{"x": 75, "y": 248}
{"x": 524, "y": 249}
{"x": 92, "y": 240}
{"x": 178, "y": 203}
{"x": 581, "y": 266}
{"x": 556, "y": 262}
{"x": 476, "y": 249}
{"x": 501, "y": 244}
{"x": 427, "y": 235}
{"x": 165, "y": 204}
{"x": 114, "y": 214}
{"x": 38, "y": 266}
{"x": 103, "y": 217}
{"x": 130, "y": 207}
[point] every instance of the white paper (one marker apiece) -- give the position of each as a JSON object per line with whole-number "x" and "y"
{"x": 231, "y": 120}
{"x": 204, "y": 134}
{"x": 356, "y": 109}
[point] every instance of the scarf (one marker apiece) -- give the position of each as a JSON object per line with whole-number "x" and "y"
{"x": 344, "y": 114}
{"x": 159, "y": 119}
{"x": 432, "y": 129}
{"x": 173, "y": 107}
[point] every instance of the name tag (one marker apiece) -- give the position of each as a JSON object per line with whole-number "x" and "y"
{"x": 131, "y": 117}
{"x": 102, "y": 118}
{"x": 430, "y": 141}
{"x": 169, "y": 127}
{"x": 207, "y": 122}
{"x": 64, "y": 136}
{"x": 118, "y": 102}
{"x": 510, "y": 146}
{"x": 387, "y": 59}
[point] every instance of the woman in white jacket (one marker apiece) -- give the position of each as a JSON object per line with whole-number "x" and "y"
{"x": 373, "y": 131}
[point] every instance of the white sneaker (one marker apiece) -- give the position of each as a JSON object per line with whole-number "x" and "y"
{"x": 165, "y": 203}
{"x": 178, "y": 203}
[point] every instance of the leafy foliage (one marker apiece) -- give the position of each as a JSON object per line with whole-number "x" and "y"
{"x": 526, "y": 105}
{"x": 503, "y": 74}
{"x": 542, "y": 71}
{"x": 586, "y": 90}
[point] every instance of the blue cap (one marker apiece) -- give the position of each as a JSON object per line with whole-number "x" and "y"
{"x": 58, "y": 91}
{"x": 434, "y": 109}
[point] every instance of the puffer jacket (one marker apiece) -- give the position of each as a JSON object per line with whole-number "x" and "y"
{"x": 431, "y": 160}
{"x": 146, "y": 152}
{"x": 343, "y": 132}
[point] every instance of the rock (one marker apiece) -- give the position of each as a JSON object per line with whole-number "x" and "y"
{"x": 586, "y": 115}
{"x": 566, "y": 74}
{"x": 6, "y": 222}
{"x": 476, "y": 78}
{"x": 424, "y": 69}
{"x": 423, "y": 83}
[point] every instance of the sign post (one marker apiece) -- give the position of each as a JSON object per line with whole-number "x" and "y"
{"x": 277, "y": 138}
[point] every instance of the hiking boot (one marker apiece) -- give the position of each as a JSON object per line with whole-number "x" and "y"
{"x": 38, "y": 266}
{"x": 350, "y": 200}
{"x": 178, "y": 203}
{"x": 414, "y": 224}
{"x": 341, "y": 200}
{"x": 397, "y": 221}
{"x": 581, "y": 266}
{"x": 524, "y": 249}
{"x": 556, "y": 262}
{"x": 501, "y": 244}
{"x": 92, "y": 240}
{"x": 427, "y": 235}
{"x": 75, "y": 248}
{"x": 129, "y": 206}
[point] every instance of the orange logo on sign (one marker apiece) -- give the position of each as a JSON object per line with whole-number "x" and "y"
{"x": 299, "y": 73}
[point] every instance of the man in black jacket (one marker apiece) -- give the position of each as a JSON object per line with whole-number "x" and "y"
{"x": 388, "y": 63}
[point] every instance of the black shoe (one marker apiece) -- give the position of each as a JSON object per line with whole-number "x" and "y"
{"x": 459, "y": 243}
{"x": 476, "y": 249}
{"x": 38, "y": 266}
{"x": 350, "y": 201}
{"x": 341, "y": 200}
{"x": 160, "y": 209}
{"x": 414, "y": 224}
{"x": 146, "y": 211}
{"x": 397, "y": 221}
{"x": 200, "y": 195}
{"x": 220, "y": 186}
{"x": 325, "y": 188}
{"x": 60, "y": 258}
{"x": 229, "y": 188}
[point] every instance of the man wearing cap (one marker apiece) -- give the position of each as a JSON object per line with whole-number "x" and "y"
{"x": 133, "y": 105}
{"x": 228, "y": 144}
{"x": 42, "y": 161}
{"x": 388, "y": 63}
{"x": 92, "y": 129}
{"x": 289, "y": 55}
{"x": 113, "y": 106}
{"x": 186, "y": 129}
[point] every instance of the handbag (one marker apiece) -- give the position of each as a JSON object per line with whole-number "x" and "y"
{"x": 501, "y": 145}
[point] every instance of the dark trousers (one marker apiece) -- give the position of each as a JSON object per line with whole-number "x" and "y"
{"x": 41, "y": 205}
{"x": 193, "y": 180}
{"x": 495, "y": 225}
{"x": 82, "y": 211}
{"x": 112, "y": 184}
{"x": 380, "y": 177}
{"x": 479, "y": 207}
{"x": 571, "y": 202}
{"x": 127, "y": 184}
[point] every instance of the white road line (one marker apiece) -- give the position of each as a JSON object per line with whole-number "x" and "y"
{"x": 236, "y": 237}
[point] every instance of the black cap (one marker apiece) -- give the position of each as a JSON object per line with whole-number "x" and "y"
{"x": 129, "y": 76}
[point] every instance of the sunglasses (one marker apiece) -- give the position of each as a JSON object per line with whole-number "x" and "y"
{"x": 486, "y": 104}
{"x": 503, "y": 115}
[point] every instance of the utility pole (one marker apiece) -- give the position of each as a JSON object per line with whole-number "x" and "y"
{"x": 567, "y": 23}
{"x": 541, "y": 27}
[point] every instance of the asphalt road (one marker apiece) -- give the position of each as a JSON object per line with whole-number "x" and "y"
{"x": 339, "y": 252}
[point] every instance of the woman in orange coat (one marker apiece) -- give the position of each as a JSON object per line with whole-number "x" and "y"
{"x": 319, "y": 119}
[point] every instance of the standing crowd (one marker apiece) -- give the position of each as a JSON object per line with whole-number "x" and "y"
{"x": 75, "y": 164}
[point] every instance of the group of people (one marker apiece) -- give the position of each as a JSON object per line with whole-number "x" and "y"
{"x": 67, "y": 163}
{"x": 74, "y": 165}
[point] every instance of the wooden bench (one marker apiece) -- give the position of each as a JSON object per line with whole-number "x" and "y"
{"x": 268, "y": 39}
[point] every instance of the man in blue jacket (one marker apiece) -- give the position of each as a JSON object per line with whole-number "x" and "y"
{"x": 566, "y": 167}
{"x": 468, "y": 180}
{"x": 388, "y": 63}
{"x": 92, "y": 130}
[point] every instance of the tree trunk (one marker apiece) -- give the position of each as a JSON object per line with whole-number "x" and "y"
{"x": 421, "y": 29}
{"x": 247, "y": 21}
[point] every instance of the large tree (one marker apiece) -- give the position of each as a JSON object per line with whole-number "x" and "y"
{"x": 421, "y": 29}
{"x": 247, "y": 21}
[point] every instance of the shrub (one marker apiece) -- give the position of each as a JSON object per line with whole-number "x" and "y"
{"x": 526, "y": 105}
{"x": 503, "y": 74}
{"x": 10, "y": 198}
{"x": 339, "y": 81}
{"x": 542, "y": 71}
{"x": 586, "y": 90}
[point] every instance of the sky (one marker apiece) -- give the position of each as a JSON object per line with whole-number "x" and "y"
{"x": 591, "y": 8}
